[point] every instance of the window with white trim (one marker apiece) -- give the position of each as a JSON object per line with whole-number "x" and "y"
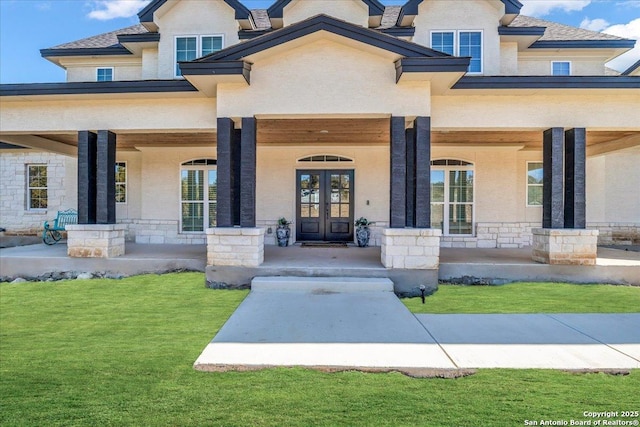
{"x": 199, "y": 193}
{"x": 37, "y": 190}
{"x": 534, "y": 183}
{"x": 121, "y": 182}
{"x": 460, "y": 43}
{"x": 104, "y": 74}
{"x": 189, "y": 48}
{"x": 560, "y": 68}
{"x": 452, "y": 196}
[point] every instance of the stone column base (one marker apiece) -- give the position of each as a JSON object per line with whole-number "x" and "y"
{"x": 411, "y": 248}
{"x": 95, "y": 240}
{"x": 565, "y": 246}
{"x": 236, "y": 247}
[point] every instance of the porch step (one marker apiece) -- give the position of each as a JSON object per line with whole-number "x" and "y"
{"x": 321, "y": 284}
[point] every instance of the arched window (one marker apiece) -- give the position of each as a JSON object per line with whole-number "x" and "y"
{"x": 452, "y": 196}
{"x": 325, "y": 158}
{"x": 198, "y": 195}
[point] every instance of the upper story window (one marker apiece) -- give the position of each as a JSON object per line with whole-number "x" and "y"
{"x": 560, "y": 68}
{"x": 104, "y": 74}
{"x": 189, "y": 48}
{"x": 460, "y": 43}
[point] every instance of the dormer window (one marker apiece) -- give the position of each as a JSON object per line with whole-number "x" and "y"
{"x": 560, "y": 68}
{"x": 104, "y": 74}
{"x": 189, "y": 48}
{"x": 460, "y": 43}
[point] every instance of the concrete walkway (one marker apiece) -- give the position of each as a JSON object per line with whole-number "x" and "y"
{"x": 360, "y": 323}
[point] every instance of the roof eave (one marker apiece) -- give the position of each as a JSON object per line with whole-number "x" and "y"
{"x": 584, "y": 44}
{"x": 631, "y": 69}
{"x": 96, "y": 51}
{"x": 547, "y": 82}
{"x": 95, "y": 88}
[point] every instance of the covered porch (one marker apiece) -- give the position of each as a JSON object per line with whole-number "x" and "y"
{"x": 457, "y": 265}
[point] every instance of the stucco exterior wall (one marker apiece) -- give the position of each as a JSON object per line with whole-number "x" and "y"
{"x": 541, "y": 65}
{"x": 132, "y": 208}
{"x": 601, "y": 109}
{"x": 193, "y": 18}
{"x": 463, "y": 15}
{"x": 509, "y": 59}
{"x": 276, "y": 180}
{"x": 149, "y": 64}
{"x": 324, "y": 77}
{"x": 612, "y": 187}
{"x": 82, "y": 70}
{"x": 61, "y": 189}
{"x": 354, "y": 11}
{"x": 114, "y": 114}
{"x": 160, "y": 179}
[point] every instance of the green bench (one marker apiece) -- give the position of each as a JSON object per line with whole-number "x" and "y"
{"x": 52, "y": 234}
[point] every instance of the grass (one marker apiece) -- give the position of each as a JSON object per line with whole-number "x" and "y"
{"x": 118, "y": 353}
{"x": 529, "y": 298}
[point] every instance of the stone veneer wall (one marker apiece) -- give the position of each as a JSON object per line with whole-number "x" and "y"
{"x": 488, "y": 234}
{"x": 565, "y": 246}
{"x": 411, "y": 248}
{"x": 14, "y": 215}
{"x": 237, "y": 247}
{"x": 158, "y": 232}
{"x": 617, "y": 233}
{"x": 95, "y": 240}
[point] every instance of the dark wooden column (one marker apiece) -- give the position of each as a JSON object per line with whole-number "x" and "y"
{"x": 411, "y": 178}
{"x": 248, "y": 173}
{"x": 422, "y": 130}
{"x": 236, "y": 161}
{"x": 87, "y": 142}
{"x": 553, "y": 174}
{"x": 225, "y": 204}
{"x": 574, "y": 178}
{"x": 106, "y": 178}
{"x": 398, "y": 196}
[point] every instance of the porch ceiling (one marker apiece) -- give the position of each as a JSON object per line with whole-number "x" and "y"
{"x": 284, "y": 132}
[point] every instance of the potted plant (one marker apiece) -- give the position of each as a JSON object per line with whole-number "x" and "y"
{"x": 363, "y": 233}
{"x": 283, "y": 232}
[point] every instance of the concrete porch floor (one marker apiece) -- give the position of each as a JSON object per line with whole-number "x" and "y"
{"x": 470, "y": 265}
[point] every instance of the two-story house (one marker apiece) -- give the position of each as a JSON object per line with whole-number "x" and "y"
{"x": 463, "y": 118}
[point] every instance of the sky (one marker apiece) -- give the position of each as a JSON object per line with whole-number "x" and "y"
{"x": 26, "y": 26}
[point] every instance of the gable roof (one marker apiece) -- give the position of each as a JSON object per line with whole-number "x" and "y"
{"x": 230, "y": 64}
{"x": 511, "y": 7}
{"x": 323, "y": 23}
{"x": 146, "y": 14}
{"x": 276, "y": 10}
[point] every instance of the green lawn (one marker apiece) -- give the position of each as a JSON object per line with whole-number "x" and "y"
{"x": 108, "y": 352}
{"x": 529, "y": 298}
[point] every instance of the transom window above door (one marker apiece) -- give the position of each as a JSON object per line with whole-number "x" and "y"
{"x": 452, "y": 196}
{"x": 189, "y": 48}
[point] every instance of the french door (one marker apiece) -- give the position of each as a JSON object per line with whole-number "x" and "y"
{"x": 452, "y": 199}
{"x": 324, "y": 205}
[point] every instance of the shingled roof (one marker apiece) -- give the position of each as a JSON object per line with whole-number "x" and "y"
{"x": 560, "y": 32}
{"x": 102, "y": 40}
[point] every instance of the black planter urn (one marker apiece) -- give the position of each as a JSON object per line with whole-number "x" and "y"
{"x": 283, "y": 232}
{"x": 362, "y": 236}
